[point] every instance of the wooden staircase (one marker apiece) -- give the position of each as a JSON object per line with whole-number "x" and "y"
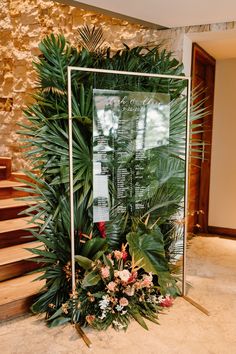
{"x": 16, "y": 287}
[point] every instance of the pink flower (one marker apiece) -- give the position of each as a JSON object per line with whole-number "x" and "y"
{"x": 111, "y": 286}
{"x": 121, "y": 255}
{"x": 116, "y": 273}
{"x": 167, "y": 301}
{"x": 90, "y": 319}
{"x": 105, "y": 272}
{"x": 147, "y": 281}
{"x": 123, "y": 302}
{"x": 138, "y": 285}
{"x": 124, "y": 275}
{"x": 129, "y": 290}
{"x": 118, "y": 255}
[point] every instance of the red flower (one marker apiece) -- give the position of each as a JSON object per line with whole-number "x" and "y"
{"x": 167, "y": 301}
{"x": 133, "y": 277}
{"x": 102, "y": 228}
{"x": 124, "y": 255}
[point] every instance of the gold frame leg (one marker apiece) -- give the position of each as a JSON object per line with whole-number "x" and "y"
{"x": 83, "y": 335}
{"x": 195, "y": 304}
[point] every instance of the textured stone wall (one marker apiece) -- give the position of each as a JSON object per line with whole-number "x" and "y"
{"x": 23, "y": 23}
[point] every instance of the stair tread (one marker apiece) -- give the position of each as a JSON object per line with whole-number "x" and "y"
{"x": 16, "y": 224}
{"x": 3, "y": 167}
{"x": 14, "y": 202}
{"x": 19, "y": 288}
{"x": 18, "y": 173}
{"x": 11, "y": 184}
{"x": 17, "y": 253}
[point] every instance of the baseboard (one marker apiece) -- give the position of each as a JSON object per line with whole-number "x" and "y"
{"x": 222, "y": 231}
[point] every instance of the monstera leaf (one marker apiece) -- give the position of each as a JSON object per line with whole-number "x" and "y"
{"x": 93, "y": 246}
{"x": 84, "y": 262}
{"x": 147, "y": 245}
{"x": 90, "y": 279}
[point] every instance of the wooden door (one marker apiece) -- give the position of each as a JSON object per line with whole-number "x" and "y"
{"x": 203, "y": 77}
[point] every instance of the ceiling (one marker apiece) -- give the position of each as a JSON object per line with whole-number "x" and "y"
{"x": 169, "y": 13}
{"x": 220, "y": 45}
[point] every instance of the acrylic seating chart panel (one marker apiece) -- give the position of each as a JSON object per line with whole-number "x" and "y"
{"x": 128, "y": 127}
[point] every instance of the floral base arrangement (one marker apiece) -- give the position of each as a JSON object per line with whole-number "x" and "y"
{"x": 112, "y": 291}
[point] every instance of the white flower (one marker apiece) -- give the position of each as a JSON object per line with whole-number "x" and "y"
{"x": 118, "y": 324}
{"x": 124, "y": 275}
{"x": 103, "y": 315}
{"x": 119, "y": 308}
{"x": 124, "y": 312}
{"x": 103, "y": 304}
{"x": 154, "y": 299}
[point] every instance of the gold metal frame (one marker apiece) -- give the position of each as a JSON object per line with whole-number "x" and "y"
{"x": 115, "y": 72}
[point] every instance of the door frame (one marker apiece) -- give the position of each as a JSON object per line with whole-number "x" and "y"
{"x": 198, "y": 53}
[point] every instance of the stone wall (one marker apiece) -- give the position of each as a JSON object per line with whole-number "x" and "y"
{"x": 23, "y": 23}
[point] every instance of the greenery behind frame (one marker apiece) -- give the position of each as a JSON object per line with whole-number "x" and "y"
{"x": 152, "y": 234}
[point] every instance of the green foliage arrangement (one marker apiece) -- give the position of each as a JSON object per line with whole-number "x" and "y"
{"x": 114, "y": 282}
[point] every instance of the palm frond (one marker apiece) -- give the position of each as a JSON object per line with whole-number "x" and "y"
{"x": 91, "y": 38}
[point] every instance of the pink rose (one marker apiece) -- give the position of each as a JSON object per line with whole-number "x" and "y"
{"x": 111, "y": 286}
{"x": 124, "y": 275}
{"x": 105, "y": 272}
{"x": 123, "y": 302}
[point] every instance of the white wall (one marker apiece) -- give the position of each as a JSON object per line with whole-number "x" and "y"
{"x": 222, "y": 205}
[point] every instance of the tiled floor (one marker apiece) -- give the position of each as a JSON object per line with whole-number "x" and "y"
{"x": 183, "y": 329}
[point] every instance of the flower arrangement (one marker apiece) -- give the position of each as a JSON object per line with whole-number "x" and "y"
{"x": 113, "y": 290}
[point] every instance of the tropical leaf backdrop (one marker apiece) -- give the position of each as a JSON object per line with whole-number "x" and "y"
{"x": 152, "y": 233}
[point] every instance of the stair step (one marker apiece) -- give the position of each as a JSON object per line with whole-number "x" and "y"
{"x": 15, "y": 176}
{"x": 17, "y": 295}
{"x": 10, "y": 184}
{"x": 7, "y": 189}
{"x": 18, "y": 253}
{"x": 16, "y": 224}
{"x": 12, "y": 208}
{"x": 3, "y": 158}
{"x": 12, "y": 231}
{"x": 14, "y": 261}
{"x": 14, "y": 203}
